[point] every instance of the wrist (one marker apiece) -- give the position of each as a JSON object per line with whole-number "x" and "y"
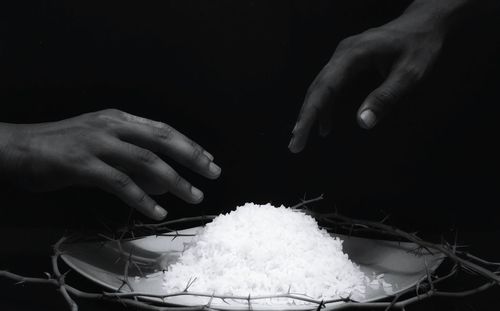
{"x": 10, "y": 148}
{"x": 5, "y": 139}
{"x": 442, "y": 14}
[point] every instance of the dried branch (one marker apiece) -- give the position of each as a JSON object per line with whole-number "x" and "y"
{"x": 380, "y": 227}
{"x": 304, "y": 202}
{"x": 425, "y": 289}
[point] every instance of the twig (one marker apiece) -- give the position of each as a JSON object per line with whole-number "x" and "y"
{"x": 60, "y": 277}
{"x": 425, "y": 289}
{"x": 413, "y": 238}
{"x": 305, "y": 202}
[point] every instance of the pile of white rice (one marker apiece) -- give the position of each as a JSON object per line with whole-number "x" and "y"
{"x": 265, "y": 250}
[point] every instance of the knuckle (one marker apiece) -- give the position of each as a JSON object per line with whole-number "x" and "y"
{"x": 323, "y": 83}
{"x": 362, "y": 49}
{"x": 95, "y": 142}
{"x": 348, "y": 55}
{"x": 384, "y": 96}
{"x": 319, "y": 81}
{"x": 113, "y": 113}
{"x": 310, "y": 91}
{"x": 197, "y": 153}
{"x": 120, "y": 181}
{"x": 412, "y": 74}
{"x": 146, "y": 156}
{"x": 316, "y": 109}
{"x": 356, "y": 44}
{"x": 78, "y": 158}
{"x": 164, "y": 132}
{"x": 380, "y": 36}
{"x": 347, "y": 43}
{"x": 106, "y": 119}
{"x": 312, "y": 111}
{"x": 142, "y": 198}
{"x": 178, "y": 181}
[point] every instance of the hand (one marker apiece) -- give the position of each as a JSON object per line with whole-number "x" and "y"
{"x": 109, "y": 149}
{"x": 402, "y": 51}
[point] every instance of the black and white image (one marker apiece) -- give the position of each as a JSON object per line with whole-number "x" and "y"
{"x": 249, "y": 155}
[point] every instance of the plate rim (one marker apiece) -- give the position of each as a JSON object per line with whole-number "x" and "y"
{"x": 329, "y": 306}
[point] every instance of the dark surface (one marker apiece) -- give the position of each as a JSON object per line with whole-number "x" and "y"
{"x": 231, "y": 75}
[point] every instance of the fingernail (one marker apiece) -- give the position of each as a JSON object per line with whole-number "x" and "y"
{"x": 208, "y": 155}
{"x": 290, "y": 144}
{"x": 197, "y": 194}
{"x": 214, "y": 169}
{"x": 368, "y": 118}
{"x": 160, "y": 212}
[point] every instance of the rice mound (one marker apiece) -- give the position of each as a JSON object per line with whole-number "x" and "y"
{"x": 265, "y": 250}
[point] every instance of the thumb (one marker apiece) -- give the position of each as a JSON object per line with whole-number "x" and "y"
{"x": 398, "y": 84}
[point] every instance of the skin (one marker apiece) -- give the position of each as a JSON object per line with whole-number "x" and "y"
{"x": 402, "y": 51}
{"x": 110, "y": 149}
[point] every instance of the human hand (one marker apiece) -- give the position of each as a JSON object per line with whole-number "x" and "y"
{"x": 403, "y": 51}
{"x": 110, "y": 149}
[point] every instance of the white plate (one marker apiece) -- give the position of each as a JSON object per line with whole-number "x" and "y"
{"x": 401, "y": 265}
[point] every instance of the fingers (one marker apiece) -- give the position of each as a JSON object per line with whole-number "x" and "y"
{"x": 146, "y": 166}
{"x": 119, "y": 184}
{"x": 398, "y": 84}
{"x": 321, "y": 95}
{"x": 164, "y": 139}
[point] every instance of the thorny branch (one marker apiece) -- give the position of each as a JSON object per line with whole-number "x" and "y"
{"x": 425, "y": 289}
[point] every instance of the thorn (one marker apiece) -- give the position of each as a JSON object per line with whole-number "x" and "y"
{"x": 389, "y": 307}
{"x": 455, "y": 243}
{"x": 189, "y": 283}
{"x": 429, "y": 277}
{"x": 320, "y": 306}
{"x": 105, "y": 237}
{"x": 385, "y": 218}
{"x": 121, "y": 301}
{"x": 138, "y": 269}
{"x": 211, "y": 299}
{"x": 121, "y": 286}
{"x": 65, "y": 274}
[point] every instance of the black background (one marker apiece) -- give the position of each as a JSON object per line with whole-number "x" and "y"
{"x": 232, "y": 75}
